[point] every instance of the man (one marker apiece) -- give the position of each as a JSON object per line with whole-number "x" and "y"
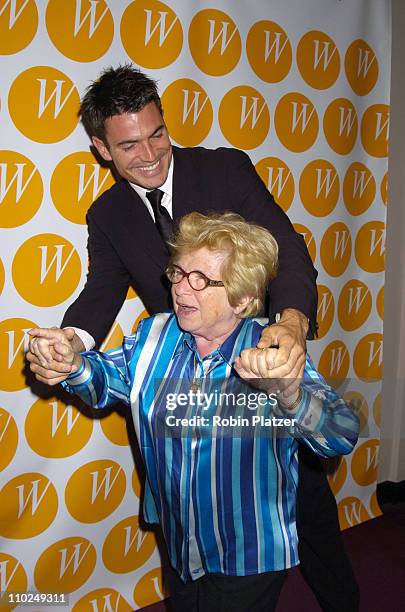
{"x": 128, "y": 226}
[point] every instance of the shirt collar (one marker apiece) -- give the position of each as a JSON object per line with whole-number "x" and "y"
{"x": 225, "y": 350}
{"x": 167, "y": 186}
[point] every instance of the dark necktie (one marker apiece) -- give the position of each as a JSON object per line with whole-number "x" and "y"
{"x": 163, "y": 220}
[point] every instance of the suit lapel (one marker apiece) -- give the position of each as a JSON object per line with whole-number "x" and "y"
{"x": 145, "y": 233}
{"x": 186, "y": 188}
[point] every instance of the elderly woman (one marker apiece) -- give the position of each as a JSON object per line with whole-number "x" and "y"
{"x": 225, "y": 498}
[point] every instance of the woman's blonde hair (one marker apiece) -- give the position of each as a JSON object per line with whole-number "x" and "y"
{"x": 252, "y": 254}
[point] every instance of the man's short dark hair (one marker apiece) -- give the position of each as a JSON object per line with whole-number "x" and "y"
{"x": 116, "y": 91}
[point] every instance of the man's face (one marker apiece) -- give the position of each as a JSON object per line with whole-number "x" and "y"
{"x": 139, "y": 146}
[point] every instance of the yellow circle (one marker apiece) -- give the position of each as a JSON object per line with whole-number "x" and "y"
{"x": 354, "y": 305}
{"x": 2, "y": 277}
{"x": 359, "y": 188}
{"x": 374, "y": 505}
{"x": 76, "y": 182}
{"x": 54, "y": 429}
{"x": 279, "y": 180}
{"x": 149, "y": 589}
{"x": 46, "y": 270}
{"x": 21, "y": 189}
{"x": 309, "y": 239}
{"x": 114, "y": 429}
{"x": 375, "y": 130}
{"x": 131, "y": 293}
{"x": 102, "y": 599}
{"x": 318, "y": 59}
{"x": 340, "y": 125}
{"x": 338, "y": 478}
{"x": 336, "y": 249}
{"x": 377, "y": 409}
{"x": 14, "y": 341}
{"x": 334, "y": 363}
{"x": 127, "y": 547}
{"x": 143, "y": 315}
{"x": 384, "y": 189}
{"x": 95, "y": 490}
{"x": 188, "y": 112}
{"x": 244, "y": 117}
{"x": 65, "y": 566}
{"x": 326, "y": 310}
{"x": 368, "y": 357}
{"x": 369, "y": 246}
{"x": 87, "y": 32}
{"x": 136, "y": 483}
{"x": 380, "y": 303}
{"x": 18, "y": 25}
{"x": 296, "y": 122}
{"x": 361, "y": 66}
{"x": 214, "y": 42}
{"x": 269, "y": 52}
{"x": 151, "y": 33}
{"x": 319, "y": 187}
{"x": 351, "y": 511}
{"x": 29, "y": 504}
{"x": 114, "y": 337}
{"x": 365, "y": 463}
{"x": 357, "y": 402}
{"x": 14, "y": 576}
{"x": 43, "y": 103}
{"x": 8, "y": 438}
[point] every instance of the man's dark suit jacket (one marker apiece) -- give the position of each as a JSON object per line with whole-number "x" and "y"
{"x": 126, "y": 248}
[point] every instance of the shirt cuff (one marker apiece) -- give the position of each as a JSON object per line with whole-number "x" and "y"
{"x": 309, "y": 411}
{"x": 81, "y": 375}
{"x": 85, "y": 337}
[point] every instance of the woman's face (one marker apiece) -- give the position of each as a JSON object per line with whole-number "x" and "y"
{"x": 205, "y": 313}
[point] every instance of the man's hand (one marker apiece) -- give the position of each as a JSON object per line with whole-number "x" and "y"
{"x": 257, "y": 366}
{"x": 286, "y": 363}
{"x": 53, "y": 354}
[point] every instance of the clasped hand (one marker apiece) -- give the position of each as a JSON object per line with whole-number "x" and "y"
{"x": 51, "y": 355}
{"x": 279, "y": 370}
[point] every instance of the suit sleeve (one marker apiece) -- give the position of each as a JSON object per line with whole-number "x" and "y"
{"x": 295, "y": 284}
{"x": 105, "y": 290}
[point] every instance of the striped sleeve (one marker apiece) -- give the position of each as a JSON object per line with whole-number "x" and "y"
{"x": 104, "y": 379}
{"x": 324, "y": 421}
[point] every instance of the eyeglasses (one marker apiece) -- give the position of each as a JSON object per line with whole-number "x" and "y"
{"x": 196, "y": 279}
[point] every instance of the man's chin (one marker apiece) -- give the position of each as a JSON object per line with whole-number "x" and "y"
{"x": 148, "y": 182}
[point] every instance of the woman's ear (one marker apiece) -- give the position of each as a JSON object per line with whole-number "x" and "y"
{"x": 243, "y": 304}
